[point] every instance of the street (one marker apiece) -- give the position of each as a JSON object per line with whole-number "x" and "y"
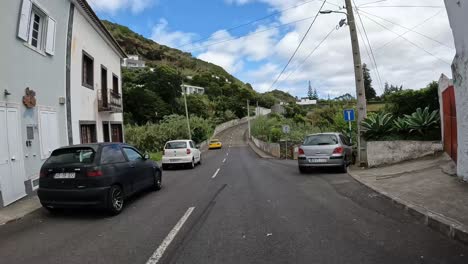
{"x": 251, "y": 210}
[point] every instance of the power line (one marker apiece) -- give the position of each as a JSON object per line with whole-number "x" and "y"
{"x": 370, "y": 47}
{"x": 300, "y": 44}
{"x": 401, "y": 35}
{"x": 254, "y": 21}
{"x": 404, "y": 6}
{"x": 375, "y": 2}
{"x": 228, "y": 39}
{"x": 411, "y": 29}
{"x": 310, "y": 54}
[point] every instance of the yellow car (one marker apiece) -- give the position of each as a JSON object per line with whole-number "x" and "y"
{"x": 215, "y": 144}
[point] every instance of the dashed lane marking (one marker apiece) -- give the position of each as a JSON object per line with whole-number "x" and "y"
{"x": 215, "y": 174}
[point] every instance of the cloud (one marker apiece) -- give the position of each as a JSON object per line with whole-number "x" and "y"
{"x": 164, "y": 36}
{"x": 112, "y": 6}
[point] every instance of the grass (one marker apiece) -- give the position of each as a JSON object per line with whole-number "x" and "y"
{"x": 375, "y": 107}
{"x": 157, "y": 156}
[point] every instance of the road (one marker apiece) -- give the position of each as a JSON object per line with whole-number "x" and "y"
{"x": 235, "y": 208}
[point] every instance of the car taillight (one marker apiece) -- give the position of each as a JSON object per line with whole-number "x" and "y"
{"x": 189, "y": 151}
{"x": 94, "y": 173}
{"x": 43, "y": 173}
{"x": 301, "y": 151}
{"x": 338, "y": 150}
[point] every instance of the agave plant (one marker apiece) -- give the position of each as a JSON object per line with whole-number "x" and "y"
{"x": 400, "y": 125}
{"x": 423, "y": 120}
{"x": 377, "y": 125}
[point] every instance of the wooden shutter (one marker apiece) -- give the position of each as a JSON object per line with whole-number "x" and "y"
{"x": 23, "y": 25}
{"x": 44, "y": 133}
{"x": 53, "y": 131}
{"x": 50, "y": 39}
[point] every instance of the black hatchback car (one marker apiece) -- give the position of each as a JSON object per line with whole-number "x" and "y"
{"x": 99, "y": 175}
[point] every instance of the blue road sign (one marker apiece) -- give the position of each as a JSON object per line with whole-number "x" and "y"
{"x": 349, "y": 115}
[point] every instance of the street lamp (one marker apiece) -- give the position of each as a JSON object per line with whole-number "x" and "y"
{"x": 359, "y": 78}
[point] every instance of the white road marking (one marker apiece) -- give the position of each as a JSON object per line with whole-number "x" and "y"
{"x": 215, "y": 174}
{"x": 227, "y": 154}
{"x": 167, "y": 241}
{"x": 224, "y": 160}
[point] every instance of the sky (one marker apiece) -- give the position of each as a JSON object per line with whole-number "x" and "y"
{"x": 407, "y": 43}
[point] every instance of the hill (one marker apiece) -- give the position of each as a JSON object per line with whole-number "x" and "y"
{"x": 281, "y": 96}
{"x": 156, "y": 54}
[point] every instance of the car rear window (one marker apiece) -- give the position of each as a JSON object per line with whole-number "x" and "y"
{"x": 176, "y": 145}
{"x": 319, "y": 140}
{"x": 214, "y": 141}
{"x": 72, "y": 156}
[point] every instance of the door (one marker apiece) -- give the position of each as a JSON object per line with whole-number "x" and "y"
{"x": 105, "y": 98}
{"x": 11, "y": 156}
{"x": 450, "y": 123}
{"x": 116, "y": 133}
{"x": 139, "y": 169}
{"x": 196, "y": 152}
{"x": 105, "y": 130}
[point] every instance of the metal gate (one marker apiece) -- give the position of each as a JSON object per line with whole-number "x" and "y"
{"x": 450, "y": 122}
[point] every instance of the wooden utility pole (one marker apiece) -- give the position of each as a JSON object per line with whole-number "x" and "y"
{"x": 360, "y": 89}
{"x": 187, "y": 115}
{"x": 248, "y": 116}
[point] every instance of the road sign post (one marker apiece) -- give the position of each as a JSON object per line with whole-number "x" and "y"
{"x": 286, "y": 130}
{"x": 349, "y": 116}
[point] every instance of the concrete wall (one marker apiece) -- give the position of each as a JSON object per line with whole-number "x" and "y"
{"x": 22, "y": 67}
{"x": 271, "y": 148}
{"x": 390, "y": 152}
{"x": 457, "y": 11}
{"x": 229, "y": 124}
{"x": 84, "y": 101}
{"x": 444, "y": 83}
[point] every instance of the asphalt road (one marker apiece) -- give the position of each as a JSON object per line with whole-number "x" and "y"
{"x": 235, "y": 208}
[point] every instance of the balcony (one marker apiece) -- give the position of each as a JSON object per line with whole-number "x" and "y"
{"x": 109, "y": 101}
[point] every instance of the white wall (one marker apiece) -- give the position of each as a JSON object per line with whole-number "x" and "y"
{"x": 457, "y": 13}
{"x": 84, "y": 101}
{"x": 444, "y": 83}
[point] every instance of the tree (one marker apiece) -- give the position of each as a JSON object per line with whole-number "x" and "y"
{"x": 310, "y": 92}
{"x": 406, "y": 102}
{"x": 389, "y": 89}
{"x": 143, "y": 105}
{"x": 165, "y": 81}
{"x": 370, "y": 92}
{"x": 315, "y": 95}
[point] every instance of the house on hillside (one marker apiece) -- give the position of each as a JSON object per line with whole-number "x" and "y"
{"x": 455, "y": 97}
{"x": 96, "y": 107}
{"x": 133, "y": 62}
{"x": 59, "y": 49}
{"x": 190, "y": 89}
{"x": 306, "y": 101}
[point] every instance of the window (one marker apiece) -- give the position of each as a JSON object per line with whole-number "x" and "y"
{"x": 320, "y": 140}
{"x": 345, "y": 140}
{"x": 115, "y": 84}
{"x": 105, "y": 130}
{"x": 72, "y": 156}
{"x": 176, "y": 145}
{"x": 88, "y": 134}
{"x": 37, "y": 28}
{"x": 48, "y": 132}
{"x": 112, "y": 154}
{"x": 87, "y": 71}
{"x": 191, "y": 144}
{"x": 132, "y": 154}
{"x": 116, "y": 133}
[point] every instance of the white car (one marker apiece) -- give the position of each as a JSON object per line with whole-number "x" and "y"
{"x": 181, "y": 152}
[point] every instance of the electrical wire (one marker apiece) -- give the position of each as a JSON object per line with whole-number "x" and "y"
{"x": 401, "y": 35}
{"x": 412, "y": 29}
{"x": 404, "y": 6}
{"x": 370, "y": 47}
{"x": 300, "y": 44}
{"x": 375, "y": 2}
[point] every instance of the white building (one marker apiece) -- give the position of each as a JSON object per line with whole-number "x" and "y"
{"x": 457, "y": 13}
{"x": 190, "y": 89}
{"x": 306, "y": 101}
{"x": 133, "y": 61}
{"x": 95, "y": 87}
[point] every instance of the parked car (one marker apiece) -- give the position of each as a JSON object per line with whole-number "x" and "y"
{"x": 215, "y": 144}
{"x": 96, "y": 175}
{"x": 181, "y": 152}
{"x": 325, "y": 150}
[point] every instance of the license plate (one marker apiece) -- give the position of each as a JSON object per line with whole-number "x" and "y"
{"x": 318, "y": 160}
{"x": 65, "y": 175}
{"x": 174, "y": 160}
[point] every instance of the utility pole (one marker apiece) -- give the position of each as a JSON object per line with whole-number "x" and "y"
{"x": 248, "y": 116}
{"x": 360, "y": 90}
{"x": 257, "y": 111}
{"x": 187, "y": 115}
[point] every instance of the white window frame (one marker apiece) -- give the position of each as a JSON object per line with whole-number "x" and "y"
{"x": 35, "y": 11}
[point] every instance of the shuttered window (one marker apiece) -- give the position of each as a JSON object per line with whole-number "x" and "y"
{"x": 48, "y": 131}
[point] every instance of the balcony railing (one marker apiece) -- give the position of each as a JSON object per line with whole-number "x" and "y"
{"x": 109, "y": 101}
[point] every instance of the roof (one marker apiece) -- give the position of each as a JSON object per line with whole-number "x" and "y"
{"x": 92, "y": 15}
{"x": 94, "y": 146}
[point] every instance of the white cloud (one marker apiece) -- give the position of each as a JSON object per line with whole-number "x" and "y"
{"x": 112, "y": 6}
{"x": 164, "y": 36}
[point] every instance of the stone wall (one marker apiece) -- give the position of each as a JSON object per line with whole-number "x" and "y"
{"x": 271, "y": 148}
{"x": 390, "y": 152}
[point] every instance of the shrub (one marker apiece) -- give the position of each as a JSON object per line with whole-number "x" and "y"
{"x": 422, "y": 120}
{"x": 406, "y": 102}
{"x": 377, "y": 125}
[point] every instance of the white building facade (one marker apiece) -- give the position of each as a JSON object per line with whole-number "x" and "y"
{"x": 133, "y": 61}
{"x": 457, "y": 13}
{"x": 190, "y": 89}
{"x": 95, "y": 81}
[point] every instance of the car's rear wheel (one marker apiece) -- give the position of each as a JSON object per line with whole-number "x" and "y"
{"x": 192, "y": 164}
{"x": 199, "y": 161}
{"x": 344, "y": 167}
{"x": 157, "y": 181}
{"x": 115, "y": 200}
{"x": 302, "y": 169}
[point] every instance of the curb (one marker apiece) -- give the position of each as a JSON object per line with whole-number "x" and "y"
{"x": 442, "y": 224}
{"x": 258, "y": 151}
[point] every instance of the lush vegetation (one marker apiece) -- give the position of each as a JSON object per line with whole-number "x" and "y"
{"x": 404, "y": 102}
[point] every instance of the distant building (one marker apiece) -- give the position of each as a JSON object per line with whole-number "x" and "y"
{"x": 278, "y": 109}
{"x": 133, "y": 61}
{"x": 190, "y": 89}
{"x": 306, "y": 101}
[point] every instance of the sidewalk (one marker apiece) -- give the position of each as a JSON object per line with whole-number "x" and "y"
{"x": 422, "y": 189}
{"x": 19, "y": 209}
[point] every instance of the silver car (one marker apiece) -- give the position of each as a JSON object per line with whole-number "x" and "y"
{"x": 325, "y": 150}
